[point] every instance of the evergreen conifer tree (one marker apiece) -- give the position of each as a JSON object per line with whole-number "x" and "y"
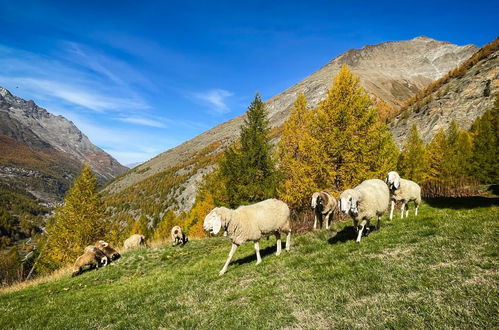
{"x": 248, "y": 169}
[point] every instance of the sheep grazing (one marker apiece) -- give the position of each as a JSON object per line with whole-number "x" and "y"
{"x": 250, "y": 223}
{"x": 111, "y": 253}
{"x": 135, "y": 241}
{"x": 405, "y": 191}
{"x": 323, "y": 205}
{"x": 178, "y": 236}
{"x": 88, "y": 258}
{"x": 364, "y": 202}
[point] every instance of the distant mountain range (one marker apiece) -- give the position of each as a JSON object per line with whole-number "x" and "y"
{"x": 42, "y": 153}
{"x": 390, "y": 71}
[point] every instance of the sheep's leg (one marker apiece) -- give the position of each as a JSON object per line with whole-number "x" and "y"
{"x": 402, "y": 211}
{"x": 257, "y": 250}
{"x": 416, "y": 210}
{"x": 359, "y": 235}
{"x": 407, "y": 211}
{"x": 327, "y": 220}
{"x": 279, "y": 245}
{"x": 315, "y": 221}
{"x": 391, "y": 210}
{"x": 288, "y": 241}
{"x": 231, "y": 254}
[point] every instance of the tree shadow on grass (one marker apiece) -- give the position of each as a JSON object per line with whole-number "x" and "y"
{"x": 462, "y": 202}
{"x": 348, "y": 234}
{"x": 263, "y": 253}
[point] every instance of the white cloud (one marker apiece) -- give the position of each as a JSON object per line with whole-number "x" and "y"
{"x": 216, "y": 98}
{"x": 143, "y": 121}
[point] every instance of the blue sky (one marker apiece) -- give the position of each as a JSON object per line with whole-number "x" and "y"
{"x": 140, "y": 77}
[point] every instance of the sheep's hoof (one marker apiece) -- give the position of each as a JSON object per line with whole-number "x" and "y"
{"x": 221, "y": 272}
{"x": 258, "y": 262}
{"x": 278, "y": 253}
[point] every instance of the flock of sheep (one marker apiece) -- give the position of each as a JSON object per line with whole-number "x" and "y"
{"x": 366, "y": 201}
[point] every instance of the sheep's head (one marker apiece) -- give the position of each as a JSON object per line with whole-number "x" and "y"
{"x": 349, "y": 202}
{"x": 393, "y": 180}
{"x": 317, "y": 201}
{"x": 212, "y": 222}
{"x": 104, "y": 243}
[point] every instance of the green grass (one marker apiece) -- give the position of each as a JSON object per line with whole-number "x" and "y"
{"x": 439, "y": 270}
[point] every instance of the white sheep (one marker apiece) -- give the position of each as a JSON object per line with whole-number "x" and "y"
{"x": 134, "y": 241}
{"x": 178, "y": 236}
{"x": 323, "y": 205}
{"x": 403, "y": 190}
{"x": 364, "y": 202}
{"x": 88, "y": 258}
{"x": 250, "y": 223}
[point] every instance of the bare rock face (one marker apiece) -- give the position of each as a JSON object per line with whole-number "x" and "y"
{"x": 48, "y": 140}
{"x": 461, "y": 99}
{"x": 392, "y": 71}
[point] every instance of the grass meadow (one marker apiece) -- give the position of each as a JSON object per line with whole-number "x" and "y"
{"x": 437, "y": 270}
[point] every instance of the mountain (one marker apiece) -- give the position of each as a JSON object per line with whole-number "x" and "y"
{"x": 461, "y": 95}
{"x": 391, "y": 71}
{"x": 42, "y": 153}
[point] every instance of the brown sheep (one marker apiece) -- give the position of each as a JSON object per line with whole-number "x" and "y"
{"x": 111, "y": 253}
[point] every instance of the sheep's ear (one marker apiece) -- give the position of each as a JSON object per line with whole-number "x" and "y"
{"x": 396, "y": 183}
{"x": 216, "y": 223}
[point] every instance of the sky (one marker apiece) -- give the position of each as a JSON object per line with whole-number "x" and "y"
{"x": 141, "y": 77}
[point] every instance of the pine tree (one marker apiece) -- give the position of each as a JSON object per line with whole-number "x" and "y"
{"x": 412, "y": 162}
{"x": 294, "y": 156}
{"x": 78, "y": 223}
{"x": 248, "y": 169}
{"x": 485, "y": 132}
{"x": 352, "y": 144}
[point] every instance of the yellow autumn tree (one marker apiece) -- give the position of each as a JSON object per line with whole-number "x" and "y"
{"x": 78, "y": 223}
{"x": 413, "y": 161}
{"x": 162, "y": 232}
{"x": 351, "y": 142}
{"x": 294, "y": 153}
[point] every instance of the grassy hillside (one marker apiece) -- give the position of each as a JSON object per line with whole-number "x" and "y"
{"x": 439, "y": 270}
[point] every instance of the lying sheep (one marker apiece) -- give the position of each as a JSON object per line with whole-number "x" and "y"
{"x": 134, "y": 241}
{"x": 98, "y": 253}
{"x": 178, "y": 236}
{"x": 88, "y": 258}
{"x": 364, "y": 202}
{"x": 111, "y": 253}
{"x": 405, "y": 191}
{"x": 323, "y": 205}
{"x": 250, "y": 223}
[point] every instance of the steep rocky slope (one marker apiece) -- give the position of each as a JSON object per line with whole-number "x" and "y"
{"x": 392, "y": 71}
{"x": 462, "y": 95}
{"x": 47, "y": 149}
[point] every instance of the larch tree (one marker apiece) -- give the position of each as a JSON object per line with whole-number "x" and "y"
{"x": 248, "y": 169}
{"x": 459, "y": 153}
{"x": 485, "y": 131}
{"x": 413, "y": 161}
{"x": 294, "y": 156}
{"x": 352, "y": 144}
{"x": 436, "y": 150}
{"x": 78, "y": 223}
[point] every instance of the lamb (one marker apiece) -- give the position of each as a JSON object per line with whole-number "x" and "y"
{"x": 134, "y": 241}
{"x": 323, "y": 205}
{"x": 88, "y": 258}
{"x": 111, "y": 253}
{"x": 405, "y": 191}
{"x": 178, "y": 236}
{"x": 250, "y": 223}
{"x": 364, "y": 202}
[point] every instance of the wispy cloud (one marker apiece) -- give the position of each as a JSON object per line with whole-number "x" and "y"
{"x": 143, "y": 121}
{"x": 216, "y": 98}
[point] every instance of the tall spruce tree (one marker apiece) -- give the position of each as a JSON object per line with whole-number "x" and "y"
{"x": 352, "y": 144}
{"x": 78, "y": 223}
{"x": 294, "y": 156}
{"x": 413, "y": 161}
{"x": 248, "y": 168}
{"x": 485, "y": 132}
